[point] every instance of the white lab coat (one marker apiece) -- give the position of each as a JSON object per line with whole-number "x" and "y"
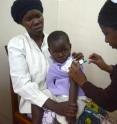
{"x": 28, "y": 68}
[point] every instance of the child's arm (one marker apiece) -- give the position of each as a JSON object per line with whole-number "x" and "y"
{"x": 73, "y": 94}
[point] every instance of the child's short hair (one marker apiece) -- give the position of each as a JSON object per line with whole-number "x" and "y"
{"x": 57, "y": 35}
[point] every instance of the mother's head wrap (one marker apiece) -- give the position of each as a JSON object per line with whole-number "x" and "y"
{"x": 21, "y": 7}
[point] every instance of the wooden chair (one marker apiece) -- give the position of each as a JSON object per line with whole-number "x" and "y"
{"x": 17, "y": 117}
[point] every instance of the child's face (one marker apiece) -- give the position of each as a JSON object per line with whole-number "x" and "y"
{"x": 60, "y": 50}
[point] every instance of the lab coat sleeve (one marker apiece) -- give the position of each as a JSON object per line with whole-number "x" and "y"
{"x": 20, "y": 75}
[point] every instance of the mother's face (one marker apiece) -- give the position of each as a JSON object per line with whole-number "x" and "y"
{"x": 110, "y": 36}
{"x": 33, "y": 22}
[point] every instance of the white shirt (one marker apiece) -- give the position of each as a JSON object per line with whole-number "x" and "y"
{"x": 28, "y": 67}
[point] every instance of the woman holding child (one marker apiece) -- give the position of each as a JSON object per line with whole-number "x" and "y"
{"x": 28, "y": 60}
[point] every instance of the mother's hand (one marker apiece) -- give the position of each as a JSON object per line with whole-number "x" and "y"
{"x": 67, "y": 109}
{"x": 62, "y": 108}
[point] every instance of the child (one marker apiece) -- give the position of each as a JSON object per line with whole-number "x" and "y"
{"x": 57, "y": 78}
{"x": 60, "y": 50}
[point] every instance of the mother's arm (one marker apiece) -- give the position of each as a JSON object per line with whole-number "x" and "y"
{"x": 20, "y": 75}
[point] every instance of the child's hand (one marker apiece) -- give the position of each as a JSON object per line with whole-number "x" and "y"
{"x": 71, "y": 120}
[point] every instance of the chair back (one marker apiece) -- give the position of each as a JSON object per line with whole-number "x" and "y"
{"x": 17, "y": 117}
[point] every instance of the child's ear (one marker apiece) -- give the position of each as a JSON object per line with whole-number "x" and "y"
{"x": 70, "y": 45}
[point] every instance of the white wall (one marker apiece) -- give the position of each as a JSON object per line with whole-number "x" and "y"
{"x": 79, "y": 19}
{"x": 8, "y": 29}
